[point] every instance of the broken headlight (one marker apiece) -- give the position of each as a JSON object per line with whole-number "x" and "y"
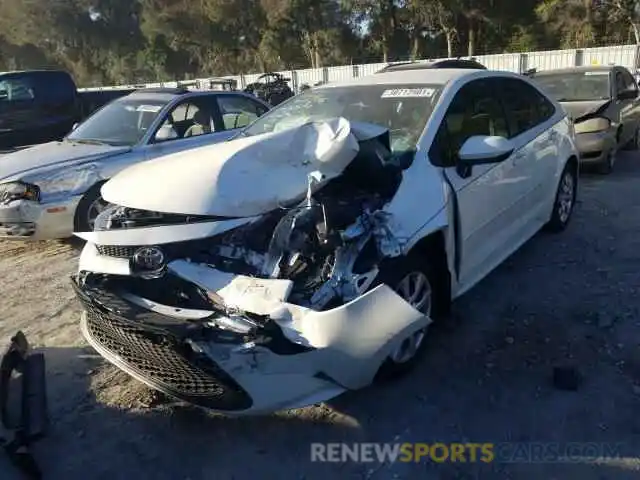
{"x": 17, "y": 191}
{"x": 592, "y": 125}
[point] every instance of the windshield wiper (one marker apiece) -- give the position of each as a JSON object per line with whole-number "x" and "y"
{"x": 88, "y": 141}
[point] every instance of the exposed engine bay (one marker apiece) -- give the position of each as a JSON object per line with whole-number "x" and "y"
{"x": 329, "y": 245}
{"x": 282, "y": 282}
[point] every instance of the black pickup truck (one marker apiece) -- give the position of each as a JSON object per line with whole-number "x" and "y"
{"x": 38, "y": 106}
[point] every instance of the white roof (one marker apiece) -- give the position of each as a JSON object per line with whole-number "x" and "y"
{"x": 430, "y": 76}
{"x": 427, "y": 76}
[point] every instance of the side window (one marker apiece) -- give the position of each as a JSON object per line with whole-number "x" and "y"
{"x": 473, "y": 111}
{"x": 629, "y": 81}
{"x": 527, "y": 107}
{"x": 620, "y": 82}
{"x": 191, "y": 118}
{"x": 238, "y": 111}
{"x": 16, "y": 89}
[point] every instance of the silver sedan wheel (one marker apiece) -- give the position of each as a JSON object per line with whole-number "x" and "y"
{"x": 566, "y": 197}
{"x": 96, "y": 208}
{"x": 415, "y": 289}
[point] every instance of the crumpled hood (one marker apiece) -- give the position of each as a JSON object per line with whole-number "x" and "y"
{"x": 52, "y": 154}
{"x": 575, "y": 110}
{"x": 244, "y": 177}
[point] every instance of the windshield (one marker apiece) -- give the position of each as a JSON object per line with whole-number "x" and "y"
{"x": 576, "y": 86}
{"x": 122, "y": 122}
{"x": 403, "y": 109}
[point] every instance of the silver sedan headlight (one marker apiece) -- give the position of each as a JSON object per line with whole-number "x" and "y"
{"x": 592, "y": 125}
{"x": 18, "y": 190}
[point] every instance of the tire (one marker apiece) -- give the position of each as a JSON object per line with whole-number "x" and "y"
{"x": 88, "y": 208}
{"x": 634, "y": 143}
{"x": 565, "y": 200}
{"x": 395, "y": 273}
{"x": 606, "y": 167}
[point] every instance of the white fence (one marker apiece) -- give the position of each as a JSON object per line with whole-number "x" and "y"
{"x": 625, "y": 55}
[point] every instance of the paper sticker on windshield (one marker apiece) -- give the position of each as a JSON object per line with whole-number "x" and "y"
{"x": 598, "y": 72}
{"x": 149, "y": 108}
{"x": 408, "y": 92}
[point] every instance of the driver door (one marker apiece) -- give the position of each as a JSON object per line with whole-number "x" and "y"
{"x": 191, "y": 123}
{"x": 486, "y": 195}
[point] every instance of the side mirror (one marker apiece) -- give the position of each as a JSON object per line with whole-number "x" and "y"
{"x": 627, "y": 94}
{"x": 164, "y": 133}
{"x": 482, "y": 149}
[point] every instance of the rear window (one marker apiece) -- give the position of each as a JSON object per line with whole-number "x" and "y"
{"x": 16, "y": 88}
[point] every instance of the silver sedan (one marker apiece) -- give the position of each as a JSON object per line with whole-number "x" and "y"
{"x": 603, "y": 103}
{"x": 51, "y": 190}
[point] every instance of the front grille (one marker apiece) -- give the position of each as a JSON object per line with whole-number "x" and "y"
{"x": 163, "y": 365}
{"x": 116, "y": 251}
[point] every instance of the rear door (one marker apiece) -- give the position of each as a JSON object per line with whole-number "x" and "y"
{"x": 530, "y": 115}
{"x": 57, "y": 102}
{"x": 238, "y": 111}
{"x": 191, "y": 123}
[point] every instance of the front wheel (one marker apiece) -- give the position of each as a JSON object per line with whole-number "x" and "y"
{"x": 89, "y": 207}
{"x": 423, "y": 286}
{"x": 565, "y": 200}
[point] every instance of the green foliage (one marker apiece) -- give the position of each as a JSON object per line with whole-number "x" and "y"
{"x": 125, "y": 41}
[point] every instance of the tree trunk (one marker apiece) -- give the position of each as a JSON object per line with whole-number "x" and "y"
{"x": 449, "y": 36}
{"x": 636, "y": 32}
{"x": 415, "y": 51}
{"x": 385, "y": 48}
{"x": 318, "y": 57}
{"x": 472, "y": 38}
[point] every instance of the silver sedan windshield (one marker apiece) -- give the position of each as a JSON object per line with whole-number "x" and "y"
{"x": 122, "y": 122}
{"x": 576, "y": 86}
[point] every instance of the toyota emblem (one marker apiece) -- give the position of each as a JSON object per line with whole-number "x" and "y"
{"x": 150, "y": 259}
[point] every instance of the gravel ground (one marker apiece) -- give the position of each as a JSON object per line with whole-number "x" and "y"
{"x": 562, "y": 300}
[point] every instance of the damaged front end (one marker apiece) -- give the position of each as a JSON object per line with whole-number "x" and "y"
{"x": 257, "y": 313}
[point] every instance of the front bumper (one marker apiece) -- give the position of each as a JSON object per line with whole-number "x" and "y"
{"x": 27, "y": 219}
{"x": 296, "y": 358}
{"x": 595, "y": 147}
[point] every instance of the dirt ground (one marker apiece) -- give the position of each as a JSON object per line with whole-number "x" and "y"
{"x": 570, "y": 299}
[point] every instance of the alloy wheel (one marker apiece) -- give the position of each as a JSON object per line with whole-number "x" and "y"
{"x": 566, "y": 196}
{"x": 415, "y": 289}
{"x": 96, "y": 208}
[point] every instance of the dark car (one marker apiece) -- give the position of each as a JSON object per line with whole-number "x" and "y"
{"x": 447, "y": 63}
{"x": 272, "y": 88}
{"x": 38, "y": 106}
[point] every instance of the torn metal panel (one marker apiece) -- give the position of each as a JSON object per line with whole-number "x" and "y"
{"x": 259, "y": 296}
{"x": 341, "y": 351}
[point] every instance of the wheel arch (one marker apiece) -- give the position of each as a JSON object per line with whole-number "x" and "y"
{"x": 434, "y": 247}
{"x": 96, "y": 186}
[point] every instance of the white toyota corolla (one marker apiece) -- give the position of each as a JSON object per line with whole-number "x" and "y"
{"x": 309, "y": 255}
